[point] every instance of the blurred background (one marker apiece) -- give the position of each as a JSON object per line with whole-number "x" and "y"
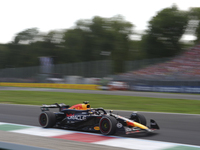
{"x": 108, "y": 51}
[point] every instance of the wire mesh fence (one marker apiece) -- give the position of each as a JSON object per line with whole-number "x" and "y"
{"x": 95, "y": 69}
{"x": 103, "y": 68}
{"x": 139, "y": 64}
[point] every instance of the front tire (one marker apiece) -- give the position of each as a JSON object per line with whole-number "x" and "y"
{"x": 47, "y": 119}
{"x": 138, "y": 118}
{"x": 107, "y": 125}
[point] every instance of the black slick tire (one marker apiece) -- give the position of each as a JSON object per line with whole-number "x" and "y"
{"x": 107, "y": 125}
{"x": 138, "y": 118}
{"x": 47, "y": 119}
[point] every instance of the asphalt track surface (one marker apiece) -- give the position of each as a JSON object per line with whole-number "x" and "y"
{"x": 176, "y": 128}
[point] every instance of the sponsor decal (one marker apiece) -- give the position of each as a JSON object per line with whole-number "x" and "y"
{"x": 120, "y": 117}
{"x": 69, "y": 115}
{"x": 96, "y": 128}
{"x": 128, "y": 129}
{"x": 133, "y": 114}
{"x": 75, "y": 117}
{"x": 152, "y": 123}
{"x": 129, "y": 123}
{"x": 79, "y": 107}
{"x": 178, "y": 89}
{"x": 119, "y": 125}
{"x": 63, "y": 108}
{"x": 129, "y": 132}
{"x": 44, "y": 109}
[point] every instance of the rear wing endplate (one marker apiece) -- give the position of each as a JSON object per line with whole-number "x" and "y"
{"x": 56, "y": 105}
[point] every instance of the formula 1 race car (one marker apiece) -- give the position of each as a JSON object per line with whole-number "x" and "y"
{"x": 82, "y": 117}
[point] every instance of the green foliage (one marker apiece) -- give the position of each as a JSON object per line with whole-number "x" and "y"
{"x": 197, "y": 33}
{"x": 103, "y": 39}
{"x": 92, "y": 37}
{"x": 4, "y": 51}
{"x": 135, "y": 51}
{"x": 27, "y": 35}
{"x": 164, "y": 33}
{"x": 194, "y": 14}
{"x": 88, "y": 41}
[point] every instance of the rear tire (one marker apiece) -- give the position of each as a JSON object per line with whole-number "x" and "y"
{"x": 108, "y": 125}
{"x": 47, "y": 119}
{"x": 138, "y": 118}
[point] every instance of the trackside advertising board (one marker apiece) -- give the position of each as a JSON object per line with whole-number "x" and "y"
{"x": 52, "y": 85}
{"x": 175, "y": 89}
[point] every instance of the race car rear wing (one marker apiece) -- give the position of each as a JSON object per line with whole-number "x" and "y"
{"x": 56, "y": 105}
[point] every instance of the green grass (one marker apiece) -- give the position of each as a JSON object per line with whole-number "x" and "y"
{"x": 113, "y": 102}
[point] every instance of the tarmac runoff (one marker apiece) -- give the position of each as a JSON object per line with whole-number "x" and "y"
{"x": 11, "y": 146}
{"x": 83, "y": 137}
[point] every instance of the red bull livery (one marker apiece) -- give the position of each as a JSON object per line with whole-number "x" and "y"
{"x": 83, "y": 117}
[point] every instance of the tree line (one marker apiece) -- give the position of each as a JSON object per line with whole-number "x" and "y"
{"x": 104, "y": 38}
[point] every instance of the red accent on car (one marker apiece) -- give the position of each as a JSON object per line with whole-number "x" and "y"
{"x": 69, "y": 115}
{"x": 130, "y": 123}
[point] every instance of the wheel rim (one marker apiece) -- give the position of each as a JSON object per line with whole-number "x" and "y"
{"x": 43, "y": 119}
{"x": 105, "y": 125}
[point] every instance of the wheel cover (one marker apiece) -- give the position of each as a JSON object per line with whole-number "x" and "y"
{"x": 43, "y": 119}
{"x": 105, "y": 125}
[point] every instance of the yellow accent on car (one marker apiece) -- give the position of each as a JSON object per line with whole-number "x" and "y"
{"x": 139, "y": 125}
{"x": 96, "y": 128}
